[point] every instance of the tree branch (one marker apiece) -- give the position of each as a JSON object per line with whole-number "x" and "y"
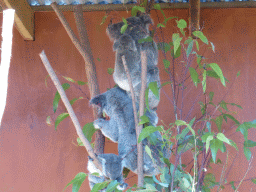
{"x": 69, "y": 109}
{"x": 138, "y": 128}
{"x": 85, "y": 50}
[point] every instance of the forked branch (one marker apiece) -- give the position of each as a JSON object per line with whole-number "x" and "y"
{"x": 83, "y": 46}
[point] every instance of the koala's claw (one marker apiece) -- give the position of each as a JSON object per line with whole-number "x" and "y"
{"x": 98, "y": 123}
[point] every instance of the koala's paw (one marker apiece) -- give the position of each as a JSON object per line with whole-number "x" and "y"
{"x": 98, "y": 123}
{"x": 122, "y": 187}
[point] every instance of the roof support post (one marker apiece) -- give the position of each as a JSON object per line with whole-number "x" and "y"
{"x": 24, "y": 17}
{"x": 194, "y": 16}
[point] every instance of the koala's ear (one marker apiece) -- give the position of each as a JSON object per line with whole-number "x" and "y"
{"x": 114, "y": 31}
{"x": 146, "y": 19}
{"x": 98, "y": 100}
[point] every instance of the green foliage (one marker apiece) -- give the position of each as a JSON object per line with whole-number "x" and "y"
{"x": 136, "y": 9}
{"x": 154, "y": 88}
{"x": 60, "y": 118}
{"x": 88, "y": 130}
{"x": 147, "y": 131}
{"x": 110, "y": 71}
{"x": 57, "y": 97}
{"x": 194, "y": 75}
{"x": 77, "y": 182}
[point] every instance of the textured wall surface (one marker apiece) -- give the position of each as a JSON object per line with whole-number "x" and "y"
{"x": 35, "y": 157}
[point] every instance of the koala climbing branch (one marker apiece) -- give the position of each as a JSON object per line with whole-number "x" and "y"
{"x": 69, "y": 109}
{"x": 83, "y": 46}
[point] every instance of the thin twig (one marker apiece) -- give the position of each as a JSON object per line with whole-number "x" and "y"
{"x": 248, "y": 169}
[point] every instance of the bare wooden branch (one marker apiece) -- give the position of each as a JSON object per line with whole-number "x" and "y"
{"x": 69, "y": 109}
{"x": 194, "y": 14}
{"x": 141, "y": 111}
{"x": 85, "y": 51}
{"x": 142, "y": 106}
{"x": 90, "y": 72}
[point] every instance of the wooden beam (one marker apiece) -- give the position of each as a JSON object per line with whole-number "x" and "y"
{"x": 125, "y": 7}
{"x": 194, "y": 16}
{"x": 24, "y": 17}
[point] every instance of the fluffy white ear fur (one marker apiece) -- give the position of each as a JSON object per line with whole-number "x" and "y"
{"x": 92, "y": 168}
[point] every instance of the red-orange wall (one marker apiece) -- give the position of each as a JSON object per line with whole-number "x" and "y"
{"x": 35, "y": 157}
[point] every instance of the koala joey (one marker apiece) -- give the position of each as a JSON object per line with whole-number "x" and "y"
{"x": 121, "y": 128}
{"x": 112, "y": 168}
{"x": 127, "y": 45}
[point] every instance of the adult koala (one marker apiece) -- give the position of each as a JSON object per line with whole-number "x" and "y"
{"x": 112, "y": 168}
{"x": 121, "y": 128}
{"x": 128, "y": 45}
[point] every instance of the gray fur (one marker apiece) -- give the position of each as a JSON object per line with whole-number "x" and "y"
{"x": 128, "y": 45}
{"x": 118, "y": 106}
{"x": 112, "y": 166}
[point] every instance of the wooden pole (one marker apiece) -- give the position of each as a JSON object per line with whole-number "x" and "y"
{"x": 194, "y": 16}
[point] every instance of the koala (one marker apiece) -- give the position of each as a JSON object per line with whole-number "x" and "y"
{"x": 112, "y": 166}
{"x": 128, "y": 45}
{"x": 138, "y": 28}
{"x": 121, "y": 128}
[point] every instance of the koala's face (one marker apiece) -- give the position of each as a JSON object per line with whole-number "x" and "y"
{"x": 110, "y": 101}
{"x": 137, "y": 28}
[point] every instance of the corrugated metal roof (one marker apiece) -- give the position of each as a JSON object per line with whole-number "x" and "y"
{"x": 84, "y": 2}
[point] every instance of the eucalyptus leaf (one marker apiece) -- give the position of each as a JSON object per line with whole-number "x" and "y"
{"x": 154, "y": 88}
{"x": 190, "y": 47}
{"x": 60, "y": 118}
{"x": 166, "y": 63}
{"x": 147, "y": 131}
{"x": 123, "y": 28}
{"x": 112, "y": 186}
{"x": 144, "y": 119}
{"x": 215, "y": 67}
{"x": 223, "y": 138}
{"x": 201, "y": 36}
{"x": 249, "y": 143}
{"x": 77, "y": 182}
{"x": 110, "y": 71}
{"x": 194, "y": 75}
{"x": 204, "y": 81}
{"x": 57, "y": 97}
{"x": 181, "y": 23}
{"x": 247, "y": 153}
{"x": 180, "y": 123}
{"x": 176, "y": 41}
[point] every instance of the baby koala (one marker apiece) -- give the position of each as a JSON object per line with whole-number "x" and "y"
{"x": 121, "y": 128}
{"x": 112, "y": 169}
